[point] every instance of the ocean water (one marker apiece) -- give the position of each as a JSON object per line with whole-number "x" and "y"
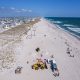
{"x": 70, "y": 24}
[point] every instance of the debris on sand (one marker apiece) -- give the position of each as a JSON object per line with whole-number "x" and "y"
{"x": 18, "y": 70}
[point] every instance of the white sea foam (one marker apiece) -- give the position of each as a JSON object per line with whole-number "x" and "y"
{"x": 57, "y": 22}
{"x": 75, "y": 29}
{"x": 68, "y": 25}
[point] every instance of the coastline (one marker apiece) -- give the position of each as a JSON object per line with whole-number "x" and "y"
{"x": 76, "y": 36}
{"x": 51, "y": 41}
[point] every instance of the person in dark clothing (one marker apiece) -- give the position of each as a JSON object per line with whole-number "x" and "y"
{"x": 52, "y": 66}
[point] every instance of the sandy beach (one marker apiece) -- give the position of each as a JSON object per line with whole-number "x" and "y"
{"x": 18, "y": 48}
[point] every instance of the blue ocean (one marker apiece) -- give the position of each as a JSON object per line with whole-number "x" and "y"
{"x": 70, "y": 24}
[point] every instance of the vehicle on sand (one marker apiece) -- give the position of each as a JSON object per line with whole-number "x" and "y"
{"x": 39, "y": 65}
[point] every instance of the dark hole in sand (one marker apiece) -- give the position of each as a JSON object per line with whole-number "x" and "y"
{"x": 45, "y": 35}
{"x": 37, "y": 49}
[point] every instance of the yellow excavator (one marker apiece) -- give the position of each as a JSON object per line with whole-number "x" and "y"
{"x": 39, "y": 65}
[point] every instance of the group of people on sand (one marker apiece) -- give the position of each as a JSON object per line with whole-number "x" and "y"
{"x": 51, "y": 62}
{"x": 69, "y": 52}
{"x": 53, "y": 66}
{"x": 42, "y": 63}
